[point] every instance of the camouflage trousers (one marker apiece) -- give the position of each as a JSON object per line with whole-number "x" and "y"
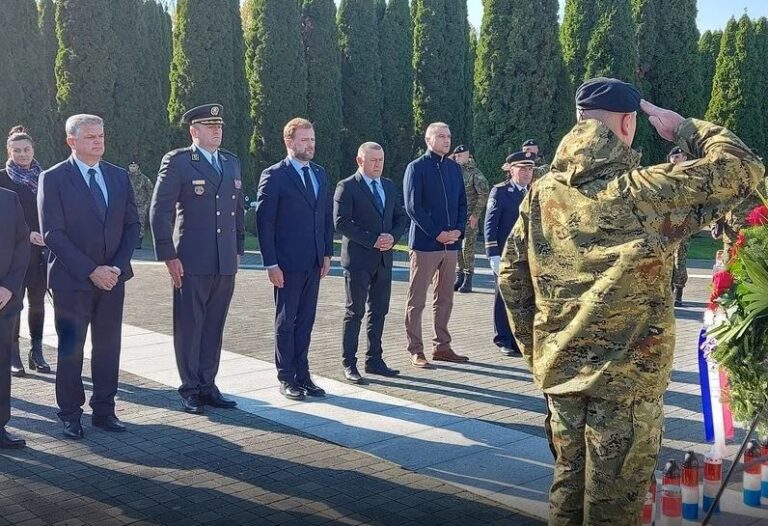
{"x": 143, "y": 210}
{"x": 605, "y": 454}
{"x": 680, "y": 262}
{"x": 467, "y": 252}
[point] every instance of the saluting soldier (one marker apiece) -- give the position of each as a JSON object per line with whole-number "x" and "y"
{"x": 202, "y": 250}
{"x": 476, "y": 188}
{"x": 503, "y": 210}
{"x": 585, "y": 276}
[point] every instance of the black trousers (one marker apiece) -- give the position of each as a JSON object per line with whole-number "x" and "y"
{"x": 295, "y": 308}
{"x": 74, "y": 312}
{"x": 35, "y": 287}
{"x": 373, "y": 287}
{"x": 502, "y": 333}
{"x": 200, "y": 310}
{"x": 7, "y": 324}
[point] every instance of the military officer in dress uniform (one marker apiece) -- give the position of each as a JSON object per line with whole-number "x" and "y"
{"x": 500, "y": 216}
{"x": 201, "y": 249}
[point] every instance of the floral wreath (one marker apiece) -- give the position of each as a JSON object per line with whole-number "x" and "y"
{"x": 738, "y": 312}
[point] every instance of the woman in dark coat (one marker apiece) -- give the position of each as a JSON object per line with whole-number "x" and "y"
{"x": 20, "y": 175}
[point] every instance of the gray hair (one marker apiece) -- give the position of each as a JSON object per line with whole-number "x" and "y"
{"x": 368, "y": 146}
{"x": 75, "y": 122}
{"x": 432, "y": 128}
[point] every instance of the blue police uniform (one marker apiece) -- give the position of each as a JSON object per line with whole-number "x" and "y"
{"x": 501, "y": 214}
{"x": 204, "y": 191}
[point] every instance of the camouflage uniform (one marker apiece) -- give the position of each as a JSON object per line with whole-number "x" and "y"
{"x": 142, "y": 189}
{"x": 477, "y": 188}
{"x": 540, "y": 171}
{"x": 680, "y": 268}
{"x": 585, "y": 278}
{"x": 735, "y": 219}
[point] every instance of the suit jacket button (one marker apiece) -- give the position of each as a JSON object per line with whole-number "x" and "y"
{"x": 233, "y": 197}
{"x": 217, "y": 196}
{"x": 218, "y": 213}
{"x": 233, "y": 213}
{"x": 218, "y": 231}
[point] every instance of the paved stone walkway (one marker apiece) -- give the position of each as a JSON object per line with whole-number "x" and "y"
{"x": 492, "y": 390}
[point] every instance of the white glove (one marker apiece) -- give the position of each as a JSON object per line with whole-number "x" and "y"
{"x": 495, "y": 260}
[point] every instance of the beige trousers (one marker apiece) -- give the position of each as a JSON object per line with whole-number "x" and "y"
{"x": 437, "y": 268}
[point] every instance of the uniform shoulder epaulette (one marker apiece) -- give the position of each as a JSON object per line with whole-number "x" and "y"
{"x": 227, "y": 152}
{"x": 500, "y": 185}
{"x": 177, "y": 151}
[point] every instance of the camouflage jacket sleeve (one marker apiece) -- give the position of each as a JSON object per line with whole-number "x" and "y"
{"x": 678, "y": 200}
{"x": 516, "y": 285}
{"x": 482, "y": 190}
{"x": 540, "y": 171}
{"x": 735, "y": 219}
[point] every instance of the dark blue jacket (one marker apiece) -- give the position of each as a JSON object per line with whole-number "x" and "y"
{"x": 14, "y": 250}
{"x": 73, "y": 229}
{"x": 208, "y": 233}
{"x": 435, "y": 200}
{"x": 500, "y": 216}
{"x": 359, "y": 222}
{"x": 293, "y": 232}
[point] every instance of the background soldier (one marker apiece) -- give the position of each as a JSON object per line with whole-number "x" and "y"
{"x": 541, "y": 167}
{"x": 142, "y": 190}
{"x": 503, "y": 210}
{"x": 680, "y": 260}
{"x": 588, "y": 259}
{"x": 476, "y": 187}
{"x": 729, "y": 226}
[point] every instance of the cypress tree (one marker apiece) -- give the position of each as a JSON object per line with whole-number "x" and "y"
{"x": 397, "y": 83}
{"x": 321, "y": 49}
{"x": 12, "y": 88}
{"x": 517, "y": 76}
{"x": 730, "y": 87}
{"x": 50, "y": 141}
{"x": 578, "y": 21}
{"x": 669, "y": 70}
{"x": 611, "y": 51}
{"x": 86, "y": 44}
{"x": 276, "y": 72}
{"x": 381, "y": 8}
{"x": 759, "y": 71}
{"x": 360, "y": 78}
{"x": 454, "y": 55}
{"x": 558, "y": 113}
{"x": 238, "y": 119}
{"x": 469, "y": 85}
{"x": 709, "y": 48}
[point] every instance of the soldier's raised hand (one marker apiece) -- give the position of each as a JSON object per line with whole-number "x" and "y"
{"x": 665, "y": 121}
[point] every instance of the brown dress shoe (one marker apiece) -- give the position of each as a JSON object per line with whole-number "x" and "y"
{"x": 449, "y": 356}
{"x": 419, "y": 360}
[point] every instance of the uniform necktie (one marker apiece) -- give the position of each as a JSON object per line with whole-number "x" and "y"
{"x": 308, "y": 181}
{"x": 217, "y": 164}
{"x": 98, "y": 195}
{"x": 377, "y": 197}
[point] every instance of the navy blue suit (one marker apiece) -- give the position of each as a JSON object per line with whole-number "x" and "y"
{"x": 501, "y": 214}
{"x": 80, "y": 240}
{"x": 296, "y": 233}
{"x": 14, "y": 258}
{"x": 207, "y": 235}
{"x": 367, "y": 270}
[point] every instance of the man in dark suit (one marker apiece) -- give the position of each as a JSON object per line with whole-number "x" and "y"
{"x": 201, "y": 184}
{"x": 368, "y": 213}
{"x": 14, "y": 258}
{"x": 503, "y": 209}
{"x": 89, "y": 221}
{"x": 294, "y": 216}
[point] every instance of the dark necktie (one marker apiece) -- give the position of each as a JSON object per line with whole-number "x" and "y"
{"x": 98, "y": 195}
{"x": 377, "y": 197}
{"x": 217, "y": 164}
{"x": 308, "y": 181}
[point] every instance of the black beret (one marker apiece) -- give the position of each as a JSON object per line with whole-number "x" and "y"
{"x": 676, "y": 150}
{"x": 520, "y": 159}
{"x": 529, "y": 142}
{"x": 608, "y": 94}
{"x": 461, "y": 148}
{"x": 205, "y": 114}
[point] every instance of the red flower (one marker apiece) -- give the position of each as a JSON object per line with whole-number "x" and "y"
{"x": 758, "y": 216}
{"x": 722, "y": 282}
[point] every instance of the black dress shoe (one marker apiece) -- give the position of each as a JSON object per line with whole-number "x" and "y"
{"x": 10, "y": 442}
{"x": 353, "y": 375}
{"x": 290, "y": 391}
{"x": 310, "y": 389}
{"x": 381, "y": 369}
{"x": 108, "y": 423}
{"x": 192, "y": 405}
{"x": 217, "y": 401}
{"x": 73, "y": 429}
